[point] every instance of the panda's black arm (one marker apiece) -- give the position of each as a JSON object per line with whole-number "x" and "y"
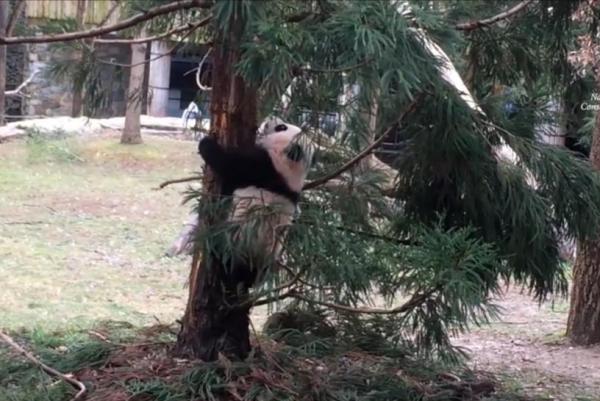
{"x": 233, "y": 164}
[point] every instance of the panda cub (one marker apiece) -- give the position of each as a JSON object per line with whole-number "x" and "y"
{"x": 263, "y": 180}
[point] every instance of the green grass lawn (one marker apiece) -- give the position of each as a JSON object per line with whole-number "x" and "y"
{"x": 83, "y": 232}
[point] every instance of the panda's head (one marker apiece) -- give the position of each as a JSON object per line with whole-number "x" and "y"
{"x": 288, "y": 148}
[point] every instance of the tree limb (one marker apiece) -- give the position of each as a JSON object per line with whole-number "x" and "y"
{"x": 177, "y": 29}
{"x": 471, "y": 25}
{"x": 51, "y": 371}
{"x": 18, "y": 89}
{"x": 14, "y": 17}
{"x": 97, "y": 31}
{"x": 365, "y": 152}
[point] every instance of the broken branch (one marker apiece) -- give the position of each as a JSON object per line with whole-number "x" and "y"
{"x": 179, "y": 180}
{"x": 51, "y": 371}
{"x": 18, "y": 89}
{"x": 119, "y": 26}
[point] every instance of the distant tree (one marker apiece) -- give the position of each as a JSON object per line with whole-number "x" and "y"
{"x": 132, "y": 131}
{"x": 77, "y": 105}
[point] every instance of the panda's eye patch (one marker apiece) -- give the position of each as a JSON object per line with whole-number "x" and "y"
{"x": 280, "y": 127}
{"x": 295, "y": 153}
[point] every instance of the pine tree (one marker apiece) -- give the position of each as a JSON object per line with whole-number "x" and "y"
{"x": 460, "y": 216}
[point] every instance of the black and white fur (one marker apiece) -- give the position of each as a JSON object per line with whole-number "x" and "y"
{"x": 269, "y": 174}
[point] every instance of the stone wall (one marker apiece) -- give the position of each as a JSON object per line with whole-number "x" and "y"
{"x": 47, "y": 98}
{"x": 51, "y": 98}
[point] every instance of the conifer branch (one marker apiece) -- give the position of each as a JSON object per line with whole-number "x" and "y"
{"x": 365, "y": 152}
{"x": 51, "y": 371}
{"x": 119, "y": 26}
{"x": 471, "y": 25}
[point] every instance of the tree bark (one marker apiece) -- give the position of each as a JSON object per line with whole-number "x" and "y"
{"x": 131, "y": 130}
{"x": 583, "y": 326}
{"x": 3, "y": 21}
{"x": 209, "y": 326}
{"x": 77, "y": 102}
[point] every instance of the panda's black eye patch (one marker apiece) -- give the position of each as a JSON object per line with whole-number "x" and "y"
{"x": 280, "y": 127}
{"x": 295, "y": 153}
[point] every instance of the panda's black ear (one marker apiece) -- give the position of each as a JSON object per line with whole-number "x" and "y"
{"x": 281, "y": 127}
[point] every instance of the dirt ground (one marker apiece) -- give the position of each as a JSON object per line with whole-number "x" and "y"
{"x": 529, "y": 347}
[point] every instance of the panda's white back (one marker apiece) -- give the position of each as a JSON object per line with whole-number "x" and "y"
{"x": 264, "y": 214}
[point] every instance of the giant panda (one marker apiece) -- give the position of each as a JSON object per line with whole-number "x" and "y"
{"x": 264, "y": 182}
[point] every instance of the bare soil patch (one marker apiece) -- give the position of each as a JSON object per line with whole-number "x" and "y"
{"x": 529, "y": 344}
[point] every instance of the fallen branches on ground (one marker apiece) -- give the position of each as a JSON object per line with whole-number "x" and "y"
{"x": 82, "y": 390}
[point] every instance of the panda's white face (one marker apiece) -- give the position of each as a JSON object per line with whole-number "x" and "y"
{"x": 289, "y": 150}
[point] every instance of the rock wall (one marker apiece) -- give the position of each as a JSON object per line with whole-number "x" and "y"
{"x": 49, "y": 97}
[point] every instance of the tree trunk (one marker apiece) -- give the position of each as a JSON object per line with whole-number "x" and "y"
{"x": 77, "y": 103}
{"x": 583, "y": 326}
{"x": 208, "y": 326}
{"x": 131, "y": 130}
{"x": 3, "y": 21}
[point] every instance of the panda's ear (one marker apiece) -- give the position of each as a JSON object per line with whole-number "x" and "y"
{"x": 281, "y": 127}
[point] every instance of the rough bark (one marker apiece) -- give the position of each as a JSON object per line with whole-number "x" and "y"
{"x": 131, "y": 130}
{"x": 209, "y": 325}
{"x": 3, "y": 20}
{"x": 77, "y": 103}
{"x": 583, "y": 326}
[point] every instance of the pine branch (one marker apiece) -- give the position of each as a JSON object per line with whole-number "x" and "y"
{"x": 14, "y": 17}
{"x": 97, "y": 31}
{"x": 365, "y": 152}
{"x": 471, "y": 25}
{"x": 82, "y": 390}
{"x": 177, "y": 29}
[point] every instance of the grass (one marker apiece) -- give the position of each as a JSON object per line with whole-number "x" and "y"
{"x": 83, "y": 233}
